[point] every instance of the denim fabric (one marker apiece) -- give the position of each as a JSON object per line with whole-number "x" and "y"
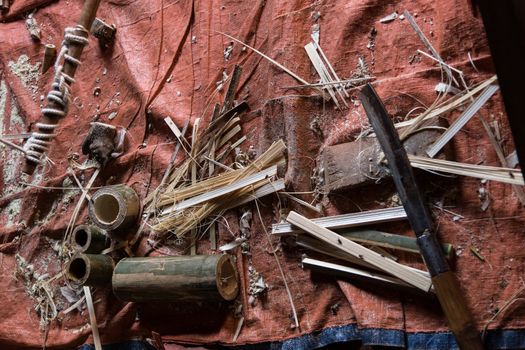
{"x": 496, "y": 339}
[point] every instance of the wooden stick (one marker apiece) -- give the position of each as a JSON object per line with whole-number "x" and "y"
{"x": 347, "y": 220}
{"x": 272, "y": 171}
{"x": 92, "y": 318}
{"x": 339, "y": 242}
{"x": 353, "y": 273}
{"x": 506, "y": 175}
{"x": 471, "y": 110}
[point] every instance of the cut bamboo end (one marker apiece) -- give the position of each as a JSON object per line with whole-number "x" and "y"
{"x": 114, "y": 208}
{"x": 89, "y": 239}
{"x": 90, "y": 269}
{"x": 50, "y": 54}
{"x": 195, "y": 278}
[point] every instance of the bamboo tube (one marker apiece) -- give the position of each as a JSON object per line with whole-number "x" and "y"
{"x": 89, "y": 239}
{"x": 176, "y": 278}
{"x": 114, "y": 208}
{"x": 90, "y": 269}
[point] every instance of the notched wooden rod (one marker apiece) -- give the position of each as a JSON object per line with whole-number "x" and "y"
{"x": 85, "y": 21}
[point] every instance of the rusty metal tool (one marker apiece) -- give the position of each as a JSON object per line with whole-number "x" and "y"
{"x": 446, "y": 285}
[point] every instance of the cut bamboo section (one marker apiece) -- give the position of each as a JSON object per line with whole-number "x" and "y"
{"x": 338, "y": 242}
{"x": 391, "y": 241}
{"x": 347, "y": 220}
{"x": 202, "y": 278}
{"x": 353, "y": 273}
{"x": 506, "y": 175}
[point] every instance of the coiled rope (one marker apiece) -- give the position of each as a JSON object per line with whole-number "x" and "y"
{"x": 38, "y": 143}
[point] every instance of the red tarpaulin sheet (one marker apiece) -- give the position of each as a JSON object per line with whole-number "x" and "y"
{"x": 167, "y": 60}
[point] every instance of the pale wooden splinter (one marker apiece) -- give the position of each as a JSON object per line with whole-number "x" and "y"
{"x": 339, "y": 242}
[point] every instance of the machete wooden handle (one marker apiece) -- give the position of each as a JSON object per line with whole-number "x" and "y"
{"x": 454, "y": 306}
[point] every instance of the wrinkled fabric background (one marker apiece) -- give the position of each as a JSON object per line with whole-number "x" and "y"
{"x": 167, "y": 60}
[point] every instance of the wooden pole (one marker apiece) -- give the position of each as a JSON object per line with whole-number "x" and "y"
{"x": 176, "y": 278}
{"x": 87, "y": 15}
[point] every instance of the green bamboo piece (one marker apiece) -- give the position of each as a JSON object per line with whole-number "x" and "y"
{"x": 115, "y": 209}
{"x": 89, "y": 239}
{"x": 90, "y": 269}
{"x": 392, "y": 241}
{"x": 176, "y": 278}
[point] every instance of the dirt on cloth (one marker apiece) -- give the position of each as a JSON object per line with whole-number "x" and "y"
{"x": 168, "y": 59}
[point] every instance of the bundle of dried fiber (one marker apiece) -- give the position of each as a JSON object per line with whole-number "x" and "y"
{"x": 183, "y": 208}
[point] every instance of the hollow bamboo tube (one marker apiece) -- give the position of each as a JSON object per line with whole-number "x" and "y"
{"x": 176, "y": 278}
{"x": 89, "y": 239}
{"x": 114, "y": 208}
{"x": 90, "y": 269}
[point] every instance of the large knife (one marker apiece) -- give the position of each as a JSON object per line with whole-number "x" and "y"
{"x": 446, "y": 285}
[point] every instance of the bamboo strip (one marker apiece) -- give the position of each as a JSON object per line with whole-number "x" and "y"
{"x": 250, "y": 180}
{"x": 271, "y": 187}
{"x": 92, "y": 318}
{"x": 316, "y": 245}
{"x": 391, "y": 241}
{"x": 452, "y": 104}
{"x": 292, "y": 74}
{"x": 506, "y": 175}
{"x": 301, "y": 202}
{"x": 339, "y": 242}
{"x": 318, "y": 65}
{"x": 428, "y": 45}
{"x": 347, "y": 220}
{"x": 237, "y": 129}
{"x": 332, "y": 70}
{"x": 354, "y": 273}
{"x": 471, "y": 110}
{"x": 186, "y": 219}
